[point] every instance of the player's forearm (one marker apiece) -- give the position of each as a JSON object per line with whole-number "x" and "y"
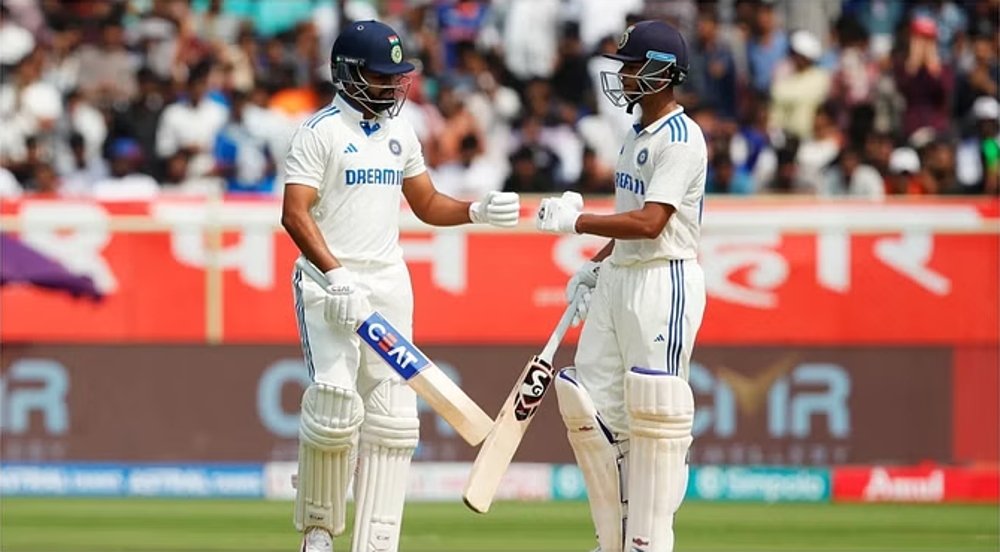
{"x": 619, "y": 226}
{"x": 307, "y": 236}
{"x": 442, "y": 210}
{"x": 605, "y": 252}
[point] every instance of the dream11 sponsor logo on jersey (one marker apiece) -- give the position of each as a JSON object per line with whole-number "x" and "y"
{"x": 788, "y": 412}
{"x": 377, "y": 176}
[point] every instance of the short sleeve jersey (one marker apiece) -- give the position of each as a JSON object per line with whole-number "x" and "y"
{"x": 666, "y": 162}
{"x": 358, "y": 166}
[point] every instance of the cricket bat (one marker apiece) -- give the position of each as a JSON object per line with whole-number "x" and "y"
{"x": 423, "y": 376}
{"x": 512, "y": 422}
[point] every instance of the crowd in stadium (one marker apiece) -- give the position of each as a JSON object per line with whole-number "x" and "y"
{"x": 132, "y": 98}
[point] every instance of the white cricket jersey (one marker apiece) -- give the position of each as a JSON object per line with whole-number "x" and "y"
{"x": 666, "y": 162}
{"x": 358, "y": 166}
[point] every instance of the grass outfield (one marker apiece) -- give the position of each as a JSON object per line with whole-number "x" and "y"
{"x": 176, "y": 525}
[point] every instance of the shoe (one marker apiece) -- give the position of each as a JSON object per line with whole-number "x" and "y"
{"x": 317, "y": 540}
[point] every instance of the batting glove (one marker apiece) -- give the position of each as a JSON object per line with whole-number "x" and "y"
{"x": 345, "y": 305}
{"x": 583, "y": 282}
{"x": 558, "y": 215}
{"x": 501, "y": 209}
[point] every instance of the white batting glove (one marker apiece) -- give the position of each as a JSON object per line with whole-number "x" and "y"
{"x": 583, "y": 282}
{"x": 345, "y": 305}
{"x": 501, "y": 209}
{"x": 558, "y": 215}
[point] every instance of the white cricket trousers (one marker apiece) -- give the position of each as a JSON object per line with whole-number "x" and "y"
{"x": 337, "y": 357}
{"x": 640, "y": 316}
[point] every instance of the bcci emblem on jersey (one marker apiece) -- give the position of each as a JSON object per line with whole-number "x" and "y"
{"x": 395, "y": 147}
{"x": 642, "y": 157}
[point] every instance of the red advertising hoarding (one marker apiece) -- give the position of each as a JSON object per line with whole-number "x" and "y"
{"x": 776, "y": 273}
{"x": 928, "y": 483}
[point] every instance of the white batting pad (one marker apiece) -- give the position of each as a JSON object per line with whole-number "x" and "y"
{"x": 661, "y": 415}
{"x": 603, "y": 461}
{"x": 329, "y": 420}
{"x": 389, "y": 437}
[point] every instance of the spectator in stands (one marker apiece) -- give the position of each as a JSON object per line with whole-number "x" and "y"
{"x": 768, "y": 45}
{"x": 937, "y": 156}
{"x": 978, "y": 157}
{"x": 822, "y": 148}
{"x": 849, "y": 175}
{"x": 242, "y": 152}
{"x": 139, "y": 119}
{"x": 457, "y": 22}
{"x": 799, "y": 87}
{"x": 924, "y": 80}
{"x": 949, "y": 20}
{"x": 786, "y": 178}
{"x": 84, "y": 170}
{"x": 106, "y": 70}
{"x": 750, "y": 148}
{"x": 854, "y": 80}
{"x": 190, "y": 125}
{"x": 712, "y": 77}
{"x": 216, "y": 25}
{"x": 905, "y": 176}
{"x": 880, "y": 19}
{"x": 571, "y": 83}
{"x": 981, "y": 75}
{"x": 457, "y": 123}
{"x": 125, "y": 181}
{"x": 527, "y": 175}
{"x": 473, "y": 175}
{"x": 724, "y": 178}
{"x": 532, "y": 39}
{"x": 595, "y": 177}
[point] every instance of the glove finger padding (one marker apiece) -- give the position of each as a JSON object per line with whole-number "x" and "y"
{"x": 586, "y": 276}
{"x": 574, "y": 199}
{"x": 360, "y": 309}
{"x": 583, "y": 307}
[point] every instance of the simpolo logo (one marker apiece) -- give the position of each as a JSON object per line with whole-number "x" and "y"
{"x": 770, "y": 485}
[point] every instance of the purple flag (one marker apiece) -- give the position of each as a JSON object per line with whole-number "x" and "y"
{"x": 20, "y": 264}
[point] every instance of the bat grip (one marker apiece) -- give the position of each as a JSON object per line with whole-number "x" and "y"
{"x": 312, "y": 272}
{"x": 567, "y": 318}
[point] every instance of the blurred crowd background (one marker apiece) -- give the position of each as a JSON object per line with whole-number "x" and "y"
{"x": 133, "y": 98}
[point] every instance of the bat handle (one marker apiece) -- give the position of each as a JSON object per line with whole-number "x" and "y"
{"x": 557, "y": 335}
{"x": 312, "y": 272}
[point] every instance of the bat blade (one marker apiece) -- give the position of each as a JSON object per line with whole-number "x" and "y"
{"x": 503, "y": 441}
{"x": 427, "y": 380}
{"x": 442, "y": 394}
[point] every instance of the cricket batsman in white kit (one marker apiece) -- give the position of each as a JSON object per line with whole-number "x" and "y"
{"x": 627, "y": 403}
{"x": 348, "y": 168}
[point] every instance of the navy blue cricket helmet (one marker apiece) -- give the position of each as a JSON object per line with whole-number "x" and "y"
{"x": 664, "y": 54}
{"x": 375, "y": 47}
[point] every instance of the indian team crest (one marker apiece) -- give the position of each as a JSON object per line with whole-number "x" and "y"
{"x": 624, "y": 39}
{"x": 395, "y": 147}
{"x": 396, "y": 53}
{"x": 642, "y": 157}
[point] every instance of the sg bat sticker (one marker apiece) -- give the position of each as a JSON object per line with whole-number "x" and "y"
{"x": 533, "y": 388}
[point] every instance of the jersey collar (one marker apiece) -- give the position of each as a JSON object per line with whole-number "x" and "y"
{"x": 658, "y": 124}
{"x": 356, "y": 116}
